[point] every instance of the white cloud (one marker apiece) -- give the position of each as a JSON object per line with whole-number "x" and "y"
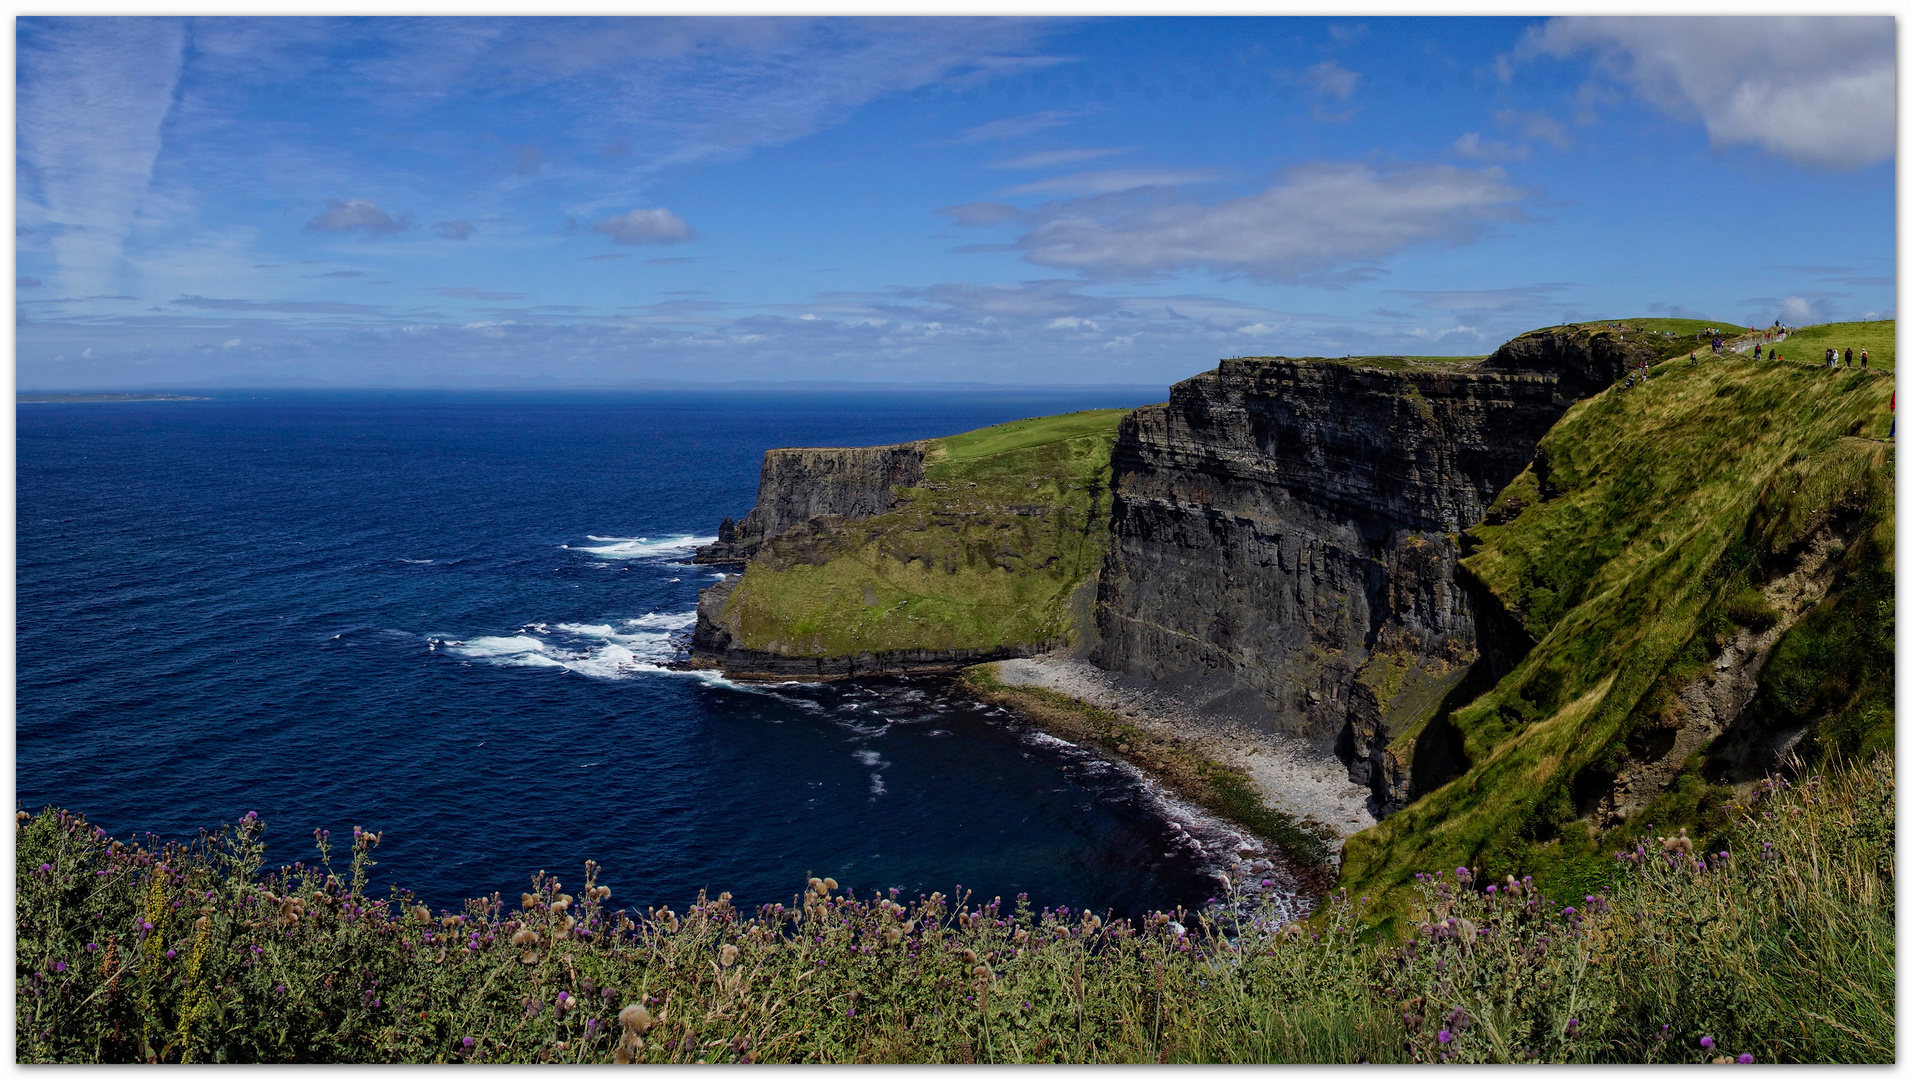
{"x": 454, "y": 230}
{"x": 1047, "y": 159}
{"x": 1317, "y": 220}
{"x": 655, "y": 226}
{"x": 1015, "y": 127}
{"x": 1473, "y": 147}
{"x": 358, "y": 215}
{"x": 1329, "y": 79}
{"x": 1105, "y": 181}
{"x": 93, "y": 94}
{"x": 1819, "y": 90}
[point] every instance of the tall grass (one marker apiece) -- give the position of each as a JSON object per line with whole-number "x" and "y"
{"x": 1780, "y": 947}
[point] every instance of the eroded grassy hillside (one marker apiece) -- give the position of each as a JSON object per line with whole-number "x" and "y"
{"x": 990, "y": 551}
{"x": 1658, "y": 528}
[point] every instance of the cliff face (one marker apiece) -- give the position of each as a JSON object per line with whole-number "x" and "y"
{"x": 797, "y": 485}
{"x": 1285, "y": 533}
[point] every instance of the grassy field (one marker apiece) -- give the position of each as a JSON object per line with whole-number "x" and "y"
{"x": 1775, "y": 945}
{"x": 1009, "y": 523}
{"x": 1880, "y": 336}
{"x": 1627, "y": 563}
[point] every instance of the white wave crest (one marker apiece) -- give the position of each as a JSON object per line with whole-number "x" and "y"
{"x": 600, "y": 650}
{"x": 643, "y": 547}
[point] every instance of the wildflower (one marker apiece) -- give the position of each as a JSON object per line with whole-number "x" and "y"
{"x": 1745, "y": 1059}
{"x": 59, "y": 967}
{"x": 635, "y": 1018}
{"x": 1445, "y": 1036}
{"x": 526, "y": 936}
{"x": 170, "y": 954}
{"x": 728, "y": 955}
{"x": 1706, "y": 1041}
{"x": 469, "y": 1042}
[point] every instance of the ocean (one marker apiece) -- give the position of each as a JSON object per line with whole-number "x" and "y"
{"x": 443, "y": 616}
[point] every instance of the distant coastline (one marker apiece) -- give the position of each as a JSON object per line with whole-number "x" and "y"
{"x": 64, "y": 399}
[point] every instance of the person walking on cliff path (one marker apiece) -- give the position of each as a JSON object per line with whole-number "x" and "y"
{"x": 1755, "y": 351}
{"x": 1847, "y": 356}
{"x": 1864, "y": 358}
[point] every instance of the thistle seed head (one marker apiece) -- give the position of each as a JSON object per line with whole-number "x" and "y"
{"x": 526, "y": 901}
{"x": 728, "y": 955}
{"x": 527, "y": 936}
{"x": 817, "y": 887}
{"x": 829, "y": 884}
{"x": 635, "y": 1018}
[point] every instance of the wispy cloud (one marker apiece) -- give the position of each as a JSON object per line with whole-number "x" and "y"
{"x": 291, "y": 307}
{"x": 465, "y": 293}
{"x": 1048, "y": 159}
{"x": 1106, "y": 181}
{"x": 93, "y": 93}
{"x": 1014, "y": 127}
{"x": 1817, "y": 89}
{"x": 454, "y": 230}
{"x": 1318, "y": 222}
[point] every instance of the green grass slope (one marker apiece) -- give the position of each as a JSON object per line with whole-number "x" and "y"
{"x": 1809, "y": 343}
{"x": 990, "y": 551}
{"x": 1628, "y": 555}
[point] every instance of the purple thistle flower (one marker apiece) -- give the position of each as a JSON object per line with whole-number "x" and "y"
{"x": 1492, "y": 888}
{"x": 1568, "y": 911}
{"x": 1445, "y": 1036}
{"x": 469, "y": 1042}
{"x": 1706, "y": 1041}
{"x": 59, "y": 967}
{"x": 1745, "y": 1059}
{"x": 170, "y": 954}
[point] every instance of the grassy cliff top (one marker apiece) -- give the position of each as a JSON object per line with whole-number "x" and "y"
{"x": 990, "y": 552}
{"x": 1879, "y": 335}
{"x": 1629, "y": 562}
{"x": 1023, "y": 434}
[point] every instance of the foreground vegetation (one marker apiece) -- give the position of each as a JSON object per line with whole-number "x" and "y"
{"x": 1775, "y": 945}
{"x": 1644, "y": 539}
{"x": 992, "y": 550}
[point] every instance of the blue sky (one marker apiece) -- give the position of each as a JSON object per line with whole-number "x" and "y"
{"x": 600, "y": 202}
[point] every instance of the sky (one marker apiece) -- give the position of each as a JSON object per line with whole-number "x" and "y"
{"x": 582, "y": 202}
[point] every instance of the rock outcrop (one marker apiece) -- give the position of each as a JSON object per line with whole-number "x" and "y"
{"x": 798, "y": 485}
{"x": 1286, "y": 533}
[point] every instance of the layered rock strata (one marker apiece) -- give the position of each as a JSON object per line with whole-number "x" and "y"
{"x": 798, "y": 485}
{"x": 1286, "y": 534}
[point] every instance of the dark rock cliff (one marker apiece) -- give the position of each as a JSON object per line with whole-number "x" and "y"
{"x": 1286, "y": 533}
{"x": 797, "y": 485}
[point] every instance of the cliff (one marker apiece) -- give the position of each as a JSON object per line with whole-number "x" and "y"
{"x": 1286, "y": 533}
{"x": 1701, "y": 571}
{"x": 926, "y": 556}
{"x": 799, "y": 485}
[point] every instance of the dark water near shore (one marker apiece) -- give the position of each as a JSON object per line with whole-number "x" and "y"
{"x": 443, "y": 615}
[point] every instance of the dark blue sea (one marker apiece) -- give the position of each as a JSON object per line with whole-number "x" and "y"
{"x": 444, "y": 616}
